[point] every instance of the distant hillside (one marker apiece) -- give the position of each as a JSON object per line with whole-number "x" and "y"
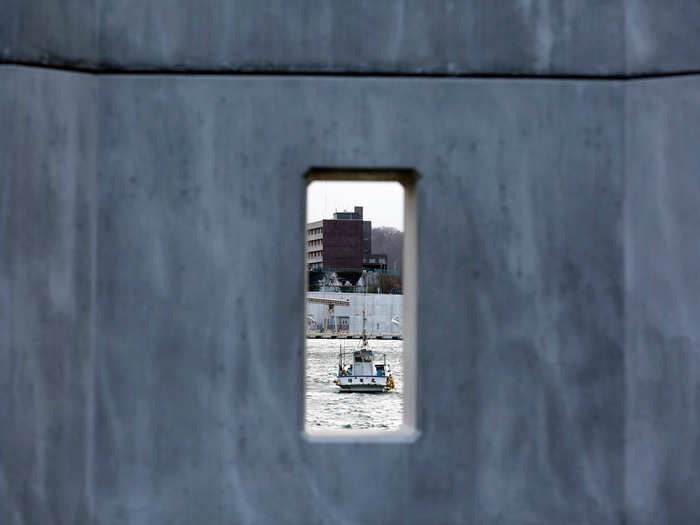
{"x": 389, "y": 241}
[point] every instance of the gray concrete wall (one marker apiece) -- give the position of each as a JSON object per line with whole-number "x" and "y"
{"x": 531, "y": 37}
{"x": 662, "y": 37}
{"x": 54, "y": 33}
{"x": 363, "y": 36}
{"x": 401, "y": 35}
{"x": 198, "y": 179}
{"x": 47, "y": 284}
{"x": 662, "y": 356}
{"x": 145, "y": 224}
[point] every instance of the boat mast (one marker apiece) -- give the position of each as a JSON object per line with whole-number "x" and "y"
{"x": 364, "y": 311}
{"x": 364, "y": 332}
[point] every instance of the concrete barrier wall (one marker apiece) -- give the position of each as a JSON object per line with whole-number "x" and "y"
{"x": 539, "y": 37}
{"x": 149, "y": 222}
{"x": 401, "y": 35}
{"x": 662, "y": 332}
{"x": 47, "y": 286}
{"x": 61, "y": 33}
{"x": 380, "y": 310}
{"x": 201, "y": 190}
{"x": 662, "y": 37}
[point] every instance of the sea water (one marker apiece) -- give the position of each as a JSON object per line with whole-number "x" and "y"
{"x": 327, "y": 408}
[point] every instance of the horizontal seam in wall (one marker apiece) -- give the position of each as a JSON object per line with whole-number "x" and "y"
{"x": 340, "y": 74}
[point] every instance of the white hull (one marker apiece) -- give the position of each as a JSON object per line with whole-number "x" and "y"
{"x": 364, "y": 383}
{"x": 363, "y": 389}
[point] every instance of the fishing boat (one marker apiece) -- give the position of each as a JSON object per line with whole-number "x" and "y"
{"x": 363, "y": 374}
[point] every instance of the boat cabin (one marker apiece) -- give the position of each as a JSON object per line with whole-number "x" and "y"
{"x": 381, "y": 369}
{"x": 363, "y": 356}
{"x": 362, "y": 363}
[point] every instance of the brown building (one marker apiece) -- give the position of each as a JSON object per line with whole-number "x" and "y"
{"x": 342, "y": 243}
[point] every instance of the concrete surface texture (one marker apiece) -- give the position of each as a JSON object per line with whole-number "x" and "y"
{"x": 47, "y": 311}
{"x": 600, "y": 37}
{"x": 662, "y": 37}
{"x": 197, "y": 411}
{"x": 145, "y": 231}
{"x": 55, "y": 33}
{"x": 662, "y": 357}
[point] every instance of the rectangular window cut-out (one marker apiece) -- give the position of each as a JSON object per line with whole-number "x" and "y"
{"x": 360, "y": 267}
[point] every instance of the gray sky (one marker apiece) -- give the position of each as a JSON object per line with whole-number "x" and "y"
{"x": 382, "y": 201}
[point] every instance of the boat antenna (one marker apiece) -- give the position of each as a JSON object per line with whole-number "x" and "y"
{"x": 364, "y": 310}
{"x": 364, "y": 332}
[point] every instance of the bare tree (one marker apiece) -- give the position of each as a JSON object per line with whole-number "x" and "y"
{"x": 389, "y": 283}
{"x": 389, "y": 241}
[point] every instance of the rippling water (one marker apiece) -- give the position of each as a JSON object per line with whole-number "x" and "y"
{"x": 328, "y": 408}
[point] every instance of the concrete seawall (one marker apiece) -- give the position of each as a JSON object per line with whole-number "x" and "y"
{"x": 381, "y": 309}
